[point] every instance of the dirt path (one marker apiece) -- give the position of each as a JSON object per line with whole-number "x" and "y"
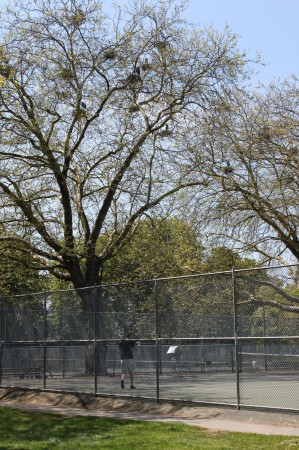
{"x": 217, "y": 419}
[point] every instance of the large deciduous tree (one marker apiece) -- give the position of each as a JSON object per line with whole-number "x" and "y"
{"x": 92, "y": 113}
{"x": 251, "y": 151}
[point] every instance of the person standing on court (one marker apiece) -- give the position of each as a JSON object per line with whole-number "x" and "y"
{"x": 127, "y": 360}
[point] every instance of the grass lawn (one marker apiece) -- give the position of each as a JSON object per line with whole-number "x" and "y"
{"x": 32, "y": 430}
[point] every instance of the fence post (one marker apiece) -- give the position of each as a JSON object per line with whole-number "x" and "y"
{"x": 1, "y": 338}
{"x": 62, "y": 326}
{"x": 45, "y": 341}
{"x": 95, "y": 340}
{"x": 63, "y": 360}
{"x": 236, "y": 335}
{"x": 264, "y": 338}
{"x": 158, "y": 353}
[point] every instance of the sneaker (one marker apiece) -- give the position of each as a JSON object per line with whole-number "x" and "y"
{"x": 132, "y": 387}
{"x": 122, "y": 384}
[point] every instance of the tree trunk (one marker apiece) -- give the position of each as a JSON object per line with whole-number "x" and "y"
{"x": 92, "y": 306}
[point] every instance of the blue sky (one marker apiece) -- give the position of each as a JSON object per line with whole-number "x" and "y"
{"x": 268, "y": 27}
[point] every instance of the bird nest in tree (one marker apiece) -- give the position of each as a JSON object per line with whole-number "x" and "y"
{"x": 63, "y": 95}
{"x": 165, "y": 133}
{"x": 146, "y": 66}
{"x": 161, "y": 45}
{"x": 133, "y": 108}
{"x": 134, "y": 78}
{"x": 66, "y": 73}
{"x": 81, "y": 114}
{"x": 6, "y": 70}
{"x": 78, "y": 18}
{"x": 264, "y": 134}
{"x": 110, "y": 54}
{"x": 227, "y": 169}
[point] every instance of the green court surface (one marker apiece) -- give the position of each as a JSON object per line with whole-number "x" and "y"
{"x": 257, "y": 389}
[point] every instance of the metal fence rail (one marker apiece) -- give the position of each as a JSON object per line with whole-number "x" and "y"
{"x": 221, "y": 338}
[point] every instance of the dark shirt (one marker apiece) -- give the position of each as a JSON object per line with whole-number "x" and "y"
{"x": 126, "y": 349}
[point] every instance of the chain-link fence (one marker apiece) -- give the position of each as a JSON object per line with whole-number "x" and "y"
{"x": 222, "y": 338}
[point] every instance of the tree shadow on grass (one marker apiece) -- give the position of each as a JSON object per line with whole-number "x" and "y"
{"x": 33, "y": 427}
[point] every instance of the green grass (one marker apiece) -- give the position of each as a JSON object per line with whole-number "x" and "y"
{"x": 35, "y": 431}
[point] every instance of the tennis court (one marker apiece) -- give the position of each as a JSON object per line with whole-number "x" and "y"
{"x": 212, "y": 338}
{"x": 257, "y": 389}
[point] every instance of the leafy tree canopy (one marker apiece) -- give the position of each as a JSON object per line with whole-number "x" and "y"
{"x": 223, "y": 258}
{"x": 158, "y": 249}
{"x": 15, "y": 279}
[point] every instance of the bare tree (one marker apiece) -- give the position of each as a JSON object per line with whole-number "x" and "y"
{"x": 92, "y": 109}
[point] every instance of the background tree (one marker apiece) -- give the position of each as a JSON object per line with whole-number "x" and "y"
{"x": 251, "y": 150}
{"x": 16, "y": 279}
{"x": 91, "y": 110}
{"x": 222, "y": 258}
{"x": 159, "y": 248}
